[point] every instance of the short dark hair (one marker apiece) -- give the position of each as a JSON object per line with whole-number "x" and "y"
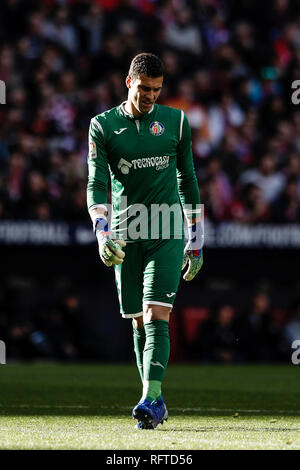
{"x": 147, "y": 64}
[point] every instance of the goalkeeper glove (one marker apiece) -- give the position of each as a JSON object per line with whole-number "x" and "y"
{"x": 193, "y": 254}
{"x": 109, "y": 249}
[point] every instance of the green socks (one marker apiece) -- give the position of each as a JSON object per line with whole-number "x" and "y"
{"x": 155, "y": 357}
{"x": 139, "y": 339}
{"x": 152, "y": 350}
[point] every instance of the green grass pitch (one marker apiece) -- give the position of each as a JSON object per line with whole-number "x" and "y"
{"x": 80, "y": 406}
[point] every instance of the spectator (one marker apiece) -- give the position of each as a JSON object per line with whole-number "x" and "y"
{"x": 286, "y": 209}
{"x": 182, "y": 34}
{"x": 250, "y": 207}
{"x": 64, "y": 329}
{"x": 196, "y": 114}
{"x": 291, "y": 330}
{"x": 292, "y": 170}
{"x": 217, "y": 33}
{"x": 16, "y": 176}
{"x": 60, "y": 31}
{"x": 35, "y": 193}
{"x": 245, "y": 44}
{"x": 266, "y": 177}
{"x": 92, "y": 27}
{"x": 221, "y": 117}
{"x": 262, "y": 331}
{"x": 219, "y": 190}
{"x": 218, "y": 336}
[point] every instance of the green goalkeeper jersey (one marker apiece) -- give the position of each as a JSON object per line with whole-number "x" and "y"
{"x": 149, "y": 160}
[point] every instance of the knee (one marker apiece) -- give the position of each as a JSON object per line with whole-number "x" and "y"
{"x": 138, "y": 322}
{"x": 156, "y": 312}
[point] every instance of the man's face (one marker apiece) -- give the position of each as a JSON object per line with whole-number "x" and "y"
{"x": 143, "y": 92}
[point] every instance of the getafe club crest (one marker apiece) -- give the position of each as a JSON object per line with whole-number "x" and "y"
{"x": 156, "y": 128}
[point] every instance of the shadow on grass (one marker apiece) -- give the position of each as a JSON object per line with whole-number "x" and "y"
{"x": 113, "y": 390}
{"x": 121, "y": 411}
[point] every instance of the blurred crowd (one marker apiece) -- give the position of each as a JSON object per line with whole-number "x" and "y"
{"x": 229, "y": 333}
{"x": 224, "y": 332}
{"x": 229, "y": 65}
{"x": 47, "y": 329}
{"x": 52, "y": 332}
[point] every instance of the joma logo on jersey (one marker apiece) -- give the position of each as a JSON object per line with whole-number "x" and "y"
{"x": 160, "y": 163}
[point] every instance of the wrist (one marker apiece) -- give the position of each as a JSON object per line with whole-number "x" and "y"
{"x": 196, "y": 236}
{"x": 100, "y": 225}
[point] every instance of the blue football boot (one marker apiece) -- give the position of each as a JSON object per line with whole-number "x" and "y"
{"x": 150, "y": 413}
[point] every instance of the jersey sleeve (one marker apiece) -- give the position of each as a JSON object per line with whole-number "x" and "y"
{"x": 98, "y": 171}
{"x": 186, "y": 178}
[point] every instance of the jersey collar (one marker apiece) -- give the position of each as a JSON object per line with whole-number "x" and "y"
{"x": 127, "y": 115}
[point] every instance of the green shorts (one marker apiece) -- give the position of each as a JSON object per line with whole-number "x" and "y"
{"x": 150, "y": 273}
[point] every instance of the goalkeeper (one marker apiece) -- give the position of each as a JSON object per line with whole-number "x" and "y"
{"x": 145, "y": 149}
